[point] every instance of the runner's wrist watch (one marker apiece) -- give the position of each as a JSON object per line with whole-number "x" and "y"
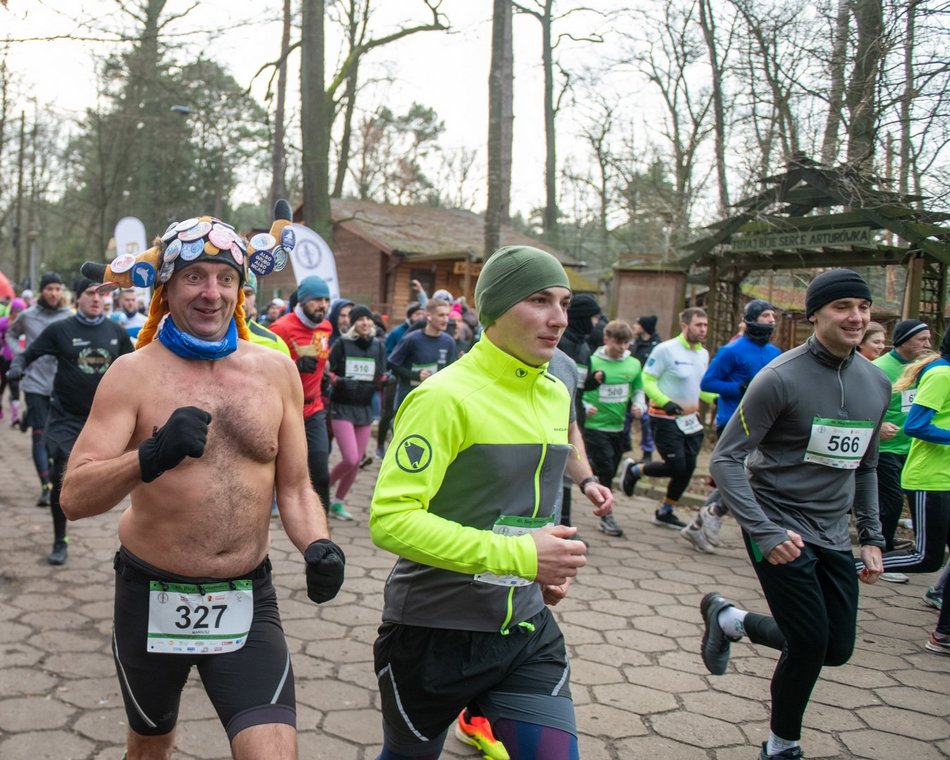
{"x": 589, "y": 479}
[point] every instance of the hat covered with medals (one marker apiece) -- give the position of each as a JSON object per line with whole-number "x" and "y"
{"x": 200, "y": 238}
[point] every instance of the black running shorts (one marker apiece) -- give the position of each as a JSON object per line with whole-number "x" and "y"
{"x": 248, "y": 687}
{"x": 427, "y": 675}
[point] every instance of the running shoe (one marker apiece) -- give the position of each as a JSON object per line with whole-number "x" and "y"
{"x": 609, "y": 526}
{"x": 792, "y": 753}
{"x": 338, "y": 511}
{"x": 894, "y": 577}
{"x": 715, "y": 649}
{"x": 58, "y": 555}
{"x": 476, "y": 731}
{"x": 628, "y": 481}
{"x": 939, "y": 643}
{"x": 668, "y": 520}
{"x": 711, "y": 526}
{"x": 43, "y": 500}
{"x": 933, "y": 598}
{"x": 694, "y": 534}
{"x": 366, "y": 461}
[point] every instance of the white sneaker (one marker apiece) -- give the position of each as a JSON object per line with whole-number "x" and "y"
{"x": 695, "y": 536}
{"x": 894, "y": 577}
{"x": 712, "y": 524}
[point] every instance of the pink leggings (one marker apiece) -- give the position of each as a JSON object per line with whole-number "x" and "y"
{"x": 352, "y": 440}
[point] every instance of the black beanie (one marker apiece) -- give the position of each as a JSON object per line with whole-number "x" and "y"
{"x": 360, "y": 310}
{"x": 754, "y": 309}
{"x": 583, "y": 305}
{"x": 82, "y": 284}
{"x": 648, "y": 323}
{"x": 904, "y": 331}
{"x": 834, "y": 284}
{"x": 412, "y": 308}
{"x": 50, "y": 278}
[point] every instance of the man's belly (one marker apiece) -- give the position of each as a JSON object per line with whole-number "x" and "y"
{"x": 217, "y": 532}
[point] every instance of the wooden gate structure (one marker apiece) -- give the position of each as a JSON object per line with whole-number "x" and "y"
{"x": 812, "y": 217}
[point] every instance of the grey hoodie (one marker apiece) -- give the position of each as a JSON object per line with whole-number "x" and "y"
{"x": 772, "y": 427}
{"x": 31, "y": 322}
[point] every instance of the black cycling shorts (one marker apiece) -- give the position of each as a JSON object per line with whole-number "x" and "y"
{"x": 249, "y": 687}
{"x": 427, "y": 675}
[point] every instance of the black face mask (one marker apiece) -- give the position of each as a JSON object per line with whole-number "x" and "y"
{"x": 758, "y": 332}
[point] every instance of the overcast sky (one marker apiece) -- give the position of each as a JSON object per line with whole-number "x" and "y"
{"x": 448, "y": 72}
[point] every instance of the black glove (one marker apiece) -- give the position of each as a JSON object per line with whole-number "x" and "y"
{"x": 306, "y": 364}
{"x": 184, "y": 435}
{"x": 15, "y": 372}
{"x": 672, "y": 408}
{"x": 325, "y": 563}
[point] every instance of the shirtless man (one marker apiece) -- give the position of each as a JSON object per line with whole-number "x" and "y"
{"x": 200, "y": 427}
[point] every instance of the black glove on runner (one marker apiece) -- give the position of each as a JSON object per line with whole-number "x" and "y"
{"x": 184, "y": 435}
{"x": 325, "y": 563}
{"x": 306, "y": 364}
{"x": 672, "y": 408}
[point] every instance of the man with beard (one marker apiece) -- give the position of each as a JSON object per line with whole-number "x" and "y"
{"x": 84, "y": 347}
{"x": 306, "y": 331}
{"x": 37, "y": 382}
{"x": 671, "y": 381}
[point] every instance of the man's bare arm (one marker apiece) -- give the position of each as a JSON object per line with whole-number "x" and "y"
{"x": 101, "y": 472}
{"x": 301, "y": 513}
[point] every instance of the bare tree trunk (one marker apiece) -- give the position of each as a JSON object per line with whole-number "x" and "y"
{"x": 549, "y": 223}
{"x": 708, "y": 23}
{"x": 862, "y": 90}
{"x": 278, "y": 159}
{"x": 500, "y": 125}
{"x": 907, "y": 97}
{"x": 353, "y": 25}
{"x": 314, "y": 120}
{"x": 839, "y": 51}
{"x": 144, "y": 66}
{"x": 18, "y": 220}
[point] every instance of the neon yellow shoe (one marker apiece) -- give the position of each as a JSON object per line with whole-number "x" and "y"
{"x": 476, "y": 731}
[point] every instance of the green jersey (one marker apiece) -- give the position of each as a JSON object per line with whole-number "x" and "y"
{"x": 892, "y": 364}
{"x": 926, "y": 467}
{"x": 622, "y": 384}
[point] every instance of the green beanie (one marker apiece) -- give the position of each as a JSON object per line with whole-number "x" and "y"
{"x": 511, "y": 274}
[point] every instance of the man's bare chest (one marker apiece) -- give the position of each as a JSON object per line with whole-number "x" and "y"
{"x": 245, "y": 412}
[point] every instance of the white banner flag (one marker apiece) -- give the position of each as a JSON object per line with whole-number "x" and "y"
{"x": 129, "y": 236}
{"x": 312, "y": 255}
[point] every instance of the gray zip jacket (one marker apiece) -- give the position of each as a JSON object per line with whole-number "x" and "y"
{"x": 776, "y": 489}
{"x": 39, "y": 376}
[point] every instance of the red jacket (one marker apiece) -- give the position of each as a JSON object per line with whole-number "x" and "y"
{"x": 307, "y": 341}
